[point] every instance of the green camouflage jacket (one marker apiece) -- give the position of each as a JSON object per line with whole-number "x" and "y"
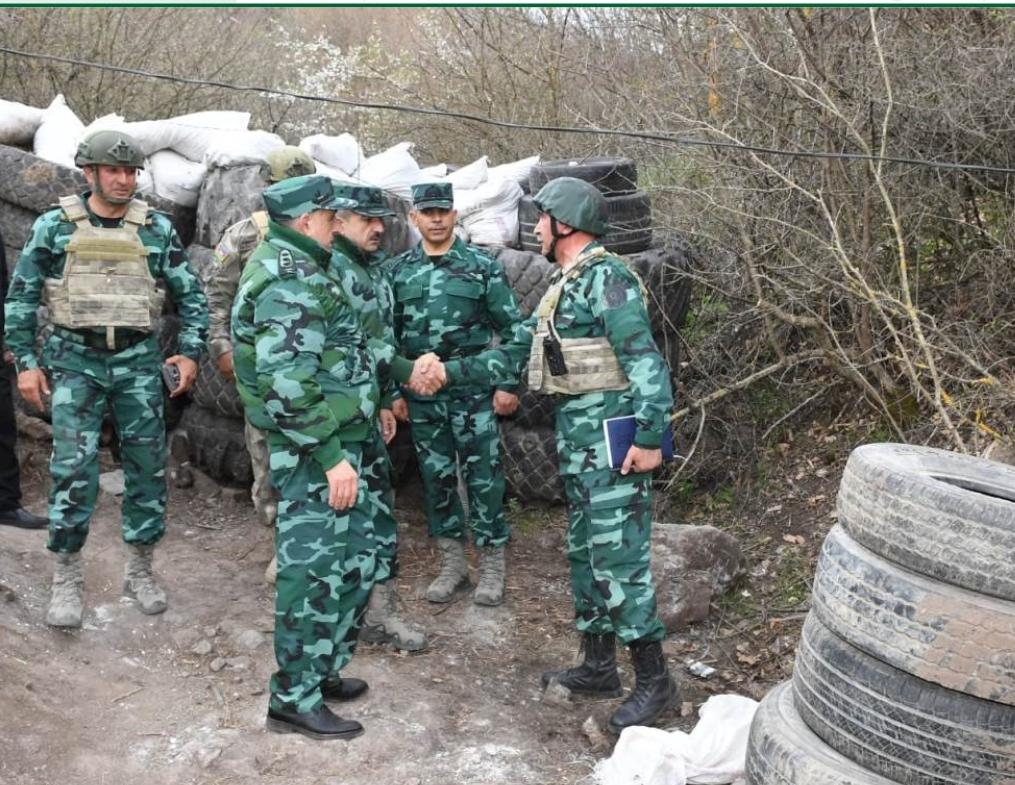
{"x": 303, "y": 365}
{"x": 365, "y": 283}
{"x": 231, "y": 255}
{"x": 43, "y": 257}
{"x": 453, "y": 306}
{"x": 605, "y": 299}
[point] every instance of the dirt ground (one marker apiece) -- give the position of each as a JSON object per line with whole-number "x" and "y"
{"x": 181, "y": 697}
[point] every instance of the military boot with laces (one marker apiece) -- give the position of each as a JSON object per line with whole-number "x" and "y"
{"x": 654, "y": 688}
{"x": 597, "y": 676}
{"x": 66, "y": 601}
{"x": 384, "y": 624}
{"x": 454, "y": 574}
{"x": 490, "y": 587}
{"x": 139, "y": 582}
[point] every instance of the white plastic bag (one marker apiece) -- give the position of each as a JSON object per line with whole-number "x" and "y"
{"x": 18, "y": 122}
{"x": 469, "y": 176}
{"x": 435, "y": 172}
{"x": 239, "y": 148}
{"x": 518, "y": 171}
{"x": 713, "y": 753}
{"x": 393, "y": 170}
{"x": 340, "y": 152}
{"x": 190, "y": 134}
{"x": 175, "y": 177}
{"x": 57, "y": 136}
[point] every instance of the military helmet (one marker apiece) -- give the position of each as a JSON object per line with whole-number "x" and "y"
{"x": 285, "y": 162}
{"x": 575, "y": 202}
{"x": 111, "y": 148}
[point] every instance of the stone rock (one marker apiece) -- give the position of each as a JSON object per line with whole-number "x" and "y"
{"x": 593, "y": 731}
{"x": 690, "y": 566}
{"x": 217, "y": 664}
{"x": 202, "y": 647}
{"x": 239, "y": 663}
{"x": 112, "y": 482}
{"x": 186, "y": 638}
{"x": 246, "y": 640}
{"x": 556, "y": 694}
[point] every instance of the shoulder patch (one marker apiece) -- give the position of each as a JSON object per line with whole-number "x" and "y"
{"x": 286, "y": 264}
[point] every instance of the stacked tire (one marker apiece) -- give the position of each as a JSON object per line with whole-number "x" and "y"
{"x": 528, "y": 439}
{"x": 905, "y": 672}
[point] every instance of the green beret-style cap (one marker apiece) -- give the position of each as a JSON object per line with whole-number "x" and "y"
{"x": 299, "y": 195}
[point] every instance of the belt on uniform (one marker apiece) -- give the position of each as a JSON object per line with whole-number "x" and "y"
{"x": 121, "y": 340}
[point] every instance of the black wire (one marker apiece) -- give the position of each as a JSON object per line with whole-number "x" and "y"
{"x": 589, "y": 130}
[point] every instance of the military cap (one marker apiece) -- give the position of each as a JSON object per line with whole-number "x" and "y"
{"x": 427, "y": 195}
{"x": 368, "y": 200}
{"x": 576, "y": 203}
{"x": 111, "y": 148}
{"x": 299, "y": 195}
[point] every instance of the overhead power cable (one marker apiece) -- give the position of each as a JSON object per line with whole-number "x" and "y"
{"x": 657, "y": 136}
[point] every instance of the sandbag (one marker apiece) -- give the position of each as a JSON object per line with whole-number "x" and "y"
{"x": 190, "y": 135}
{"x": 341, "y": 152}
{"x": 57, "y": 136}
{"x": 490, "y": 213}
{"x": 240, "y": 148}
{"x": 176, "y": 178}
{"x": 435, "y": 172}
{"x": 18, "y": 123}
{"x": 393, "y": 170}
{"x": 518, "y": 171}
{"x": 470, "y": 176}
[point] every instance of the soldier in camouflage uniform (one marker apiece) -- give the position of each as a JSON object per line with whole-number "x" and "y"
{"x": 99, "y": 263}
{"x": 356, "y": 265}
{"x": 308, "y": 376}
{"x": 231, "y": 254}
{"x": 451, "y": 298}
{"x": 589, "y": 342}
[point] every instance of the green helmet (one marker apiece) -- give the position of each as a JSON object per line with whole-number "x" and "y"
{"x": 575, "y": 202}
{"x": 285, "y": 162}
{"x": 111, "y": 148}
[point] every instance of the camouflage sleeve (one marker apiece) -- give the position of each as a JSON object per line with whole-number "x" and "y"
{"x": 390, "y": 391}
{"x": 289, "y": 326}
{"x": 500, "y": 366}
{"x": 616, "y": 299}
{"x": 25, "y": 292}
{"x": 223, "y": 278}
{"x": 392, "y": 368}
{"x": 503, "y": 311}
{"x": 186, "y": 291}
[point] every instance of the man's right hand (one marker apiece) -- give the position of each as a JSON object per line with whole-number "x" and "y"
{"x": 32, "y": 385}
{"x": 342, "y": 485}
{"x": 400, "y": 408}
{"x": 225, "y": 366}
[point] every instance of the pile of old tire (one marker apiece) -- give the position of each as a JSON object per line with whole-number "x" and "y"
{"x": 630, "y": 209}
{"x": 905, "y": 672}
{"x": 527, "y": 439}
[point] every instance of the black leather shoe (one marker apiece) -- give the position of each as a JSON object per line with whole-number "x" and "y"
{"x": 322, "y": 723}
{"x": 339, "y": 689}
{"x": 23, "y": 519}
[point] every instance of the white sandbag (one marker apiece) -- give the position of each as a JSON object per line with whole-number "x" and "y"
{"x": 334, "y": 173}
{"x": 240, "y": 148}
{"x": 190, "y": 134}
{"x": 19, "y": 122}
{"x": 489, "y": 227}
{"x": 469, "y": 176}
{"x": 518, "y": 171}
{"x": 436, "y": 172}
{"x": 393, "y": 170}
{"x": 714, "y": 753}
{"x": 490, "y": 213}
{"x": 145, "y": 183}
{"x": 57, "y": 136}
{"x": 108, "y": 122}
{"x": 176, "y": 178}
{"x": 341, "y": 152}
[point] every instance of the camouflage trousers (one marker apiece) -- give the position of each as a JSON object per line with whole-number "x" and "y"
{"x": 85, "y": 381}
{"x": 609, "y": 539}
{"x": 464, "y": 427}
{"x": 261, "y": 492}
{"x": 376, "y": 471}
{"x": 326, "y": 563}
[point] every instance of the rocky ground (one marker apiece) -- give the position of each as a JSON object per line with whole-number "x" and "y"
{"x": 181, "y": 697}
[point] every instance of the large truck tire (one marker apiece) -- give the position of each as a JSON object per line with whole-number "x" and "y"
{"x": 610, "y": 175}
{"x": 16, "y": 224}
{"x": 217, "y": 445}
{"x": 227, "y": 195}
{"x": 528, "y": 275}
{"x": 529, "y": 457}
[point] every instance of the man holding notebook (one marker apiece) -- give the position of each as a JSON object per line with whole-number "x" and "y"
{"x": 589, "y": 342}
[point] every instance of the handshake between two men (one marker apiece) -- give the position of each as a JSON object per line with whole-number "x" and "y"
{"x": 428, "y": 375}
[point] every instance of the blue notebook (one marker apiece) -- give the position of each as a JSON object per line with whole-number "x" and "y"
{"x": 619, "y": 435}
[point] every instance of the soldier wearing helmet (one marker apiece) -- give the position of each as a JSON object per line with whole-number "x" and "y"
{"x": 231, "y": 254}
{"x": 102, "y": 263}
{"x": 589, "y": 343}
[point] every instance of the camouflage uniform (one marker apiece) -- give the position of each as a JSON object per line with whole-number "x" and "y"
{"x": 610, "y": 515}
{"x": 307, "y": 376}
{"x": 86, "y": 374}
{"x": 453, "y": 306}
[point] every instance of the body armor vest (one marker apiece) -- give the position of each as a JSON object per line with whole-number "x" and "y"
{"x": 589, "y": 364}
{"x": 106, "y": 281}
